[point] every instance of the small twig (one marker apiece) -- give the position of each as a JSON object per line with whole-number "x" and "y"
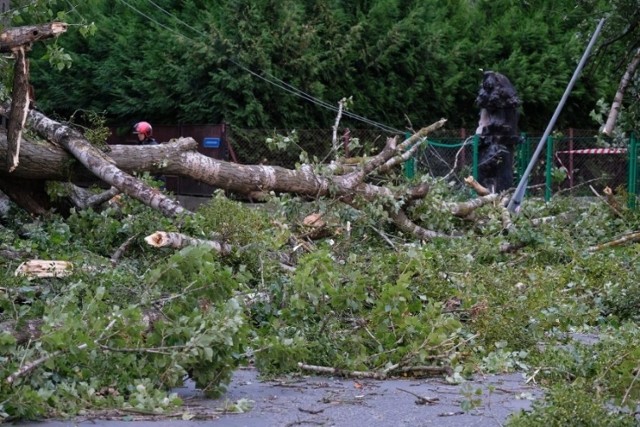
{"x": 421, "y": 400}
{"x": 533, "y": 376}
{"x": 425, "y": 370}
{"x": 29, "y": 367}
{"x": 25, "y": 369}
{"x": 134, "y": 350}
{"x": 297, "y": 423}
{"x": 311, "y": 411}
{"x": 384, "y": 237}
{"x": 455, "y": 162}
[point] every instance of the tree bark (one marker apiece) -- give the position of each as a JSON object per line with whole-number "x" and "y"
{"x": 30, "y": 194}
{"x": 19, "y": 106}
{"x": 20, "y": 36}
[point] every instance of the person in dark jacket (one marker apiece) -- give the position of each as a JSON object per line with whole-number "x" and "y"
{"x": 145, "y": 137}
{"x": 145, "y": 133}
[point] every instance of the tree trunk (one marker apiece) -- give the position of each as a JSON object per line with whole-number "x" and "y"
{"x": 617, "y": 100}
{"x": 497, "y": 130}
{"x": 29, "y": 194}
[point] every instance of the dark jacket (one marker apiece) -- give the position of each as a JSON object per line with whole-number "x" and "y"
{"x": 148, "y": 141}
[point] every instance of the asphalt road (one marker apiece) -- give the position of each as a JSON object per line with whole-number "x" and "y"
{"x": 327, "y": 401}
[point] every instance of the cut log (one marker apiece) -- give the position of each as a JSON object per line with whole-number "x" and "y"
{"x": 38, "y": 268}
{"x": 476, "y": 186}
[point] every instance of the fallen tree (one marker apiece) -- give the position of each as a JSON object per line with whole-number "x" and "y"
{"x": 65, "y": 155}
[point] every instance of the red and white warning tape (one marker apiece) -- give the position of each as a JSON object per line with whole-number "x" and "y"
{"x": 595, "y": 151}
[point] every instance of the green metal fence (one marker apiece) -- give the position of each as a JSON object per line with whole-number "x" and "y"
{"x": 571, "y": 163}
{"x": 574, "y": 162}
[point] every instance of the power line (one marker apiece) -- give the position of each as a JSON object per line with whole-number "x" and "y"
{"x": 265, "y": 76}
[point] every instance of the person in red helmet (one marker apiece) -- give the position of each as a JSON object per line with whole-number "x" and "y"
{"x": 145, "y": 137}
{"x": 145, "y": 133}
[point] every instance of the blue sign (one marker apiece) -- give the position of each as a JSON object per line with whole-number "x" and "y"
{"x": 211, "y": 143}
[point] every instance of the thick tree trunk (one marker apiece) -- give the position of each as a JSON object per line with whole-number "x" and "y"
{"x": 48, "y": 161}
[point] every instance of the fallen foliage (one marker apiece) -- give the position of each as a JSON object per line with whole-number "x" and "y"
{"x": 118, "y": 336}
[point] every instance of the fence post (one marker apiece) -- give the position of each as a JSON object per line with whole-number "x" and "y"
{"x": 632, "y": 172}
{"x": 522, "y": 157}
{"x": 410, "y": 163}
{"x": 474, "y": 170}
{"x": 549, "y": 161}
{"x": 570, "y": 171}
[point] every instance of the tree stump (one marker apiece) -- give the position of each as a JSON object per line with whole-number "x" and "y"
{"x": 497, "y": 130}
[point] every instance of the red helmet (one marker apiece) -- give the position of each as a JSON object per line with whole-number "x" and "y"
{"x": 143, "y": 128}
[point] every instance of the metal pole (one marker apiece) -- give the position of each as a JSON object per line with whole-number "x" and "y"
{"x": 518, "y": 195}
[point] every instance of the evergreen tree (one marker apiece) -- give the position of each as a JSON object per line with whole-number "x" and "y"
{"x": 239, "y": 61}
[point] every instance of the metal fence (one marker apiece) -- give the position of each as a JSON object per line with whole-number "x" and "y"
{"x": 574, "y": 162}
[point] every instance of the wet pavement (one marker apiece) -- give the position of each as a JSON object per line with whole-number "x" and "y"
{"x": 329, "y": 401}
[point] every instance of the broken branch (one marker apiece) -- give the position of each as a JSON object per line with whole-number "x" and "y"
{"x": 377, "y": 375}
{"x": 163, "y": 239}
